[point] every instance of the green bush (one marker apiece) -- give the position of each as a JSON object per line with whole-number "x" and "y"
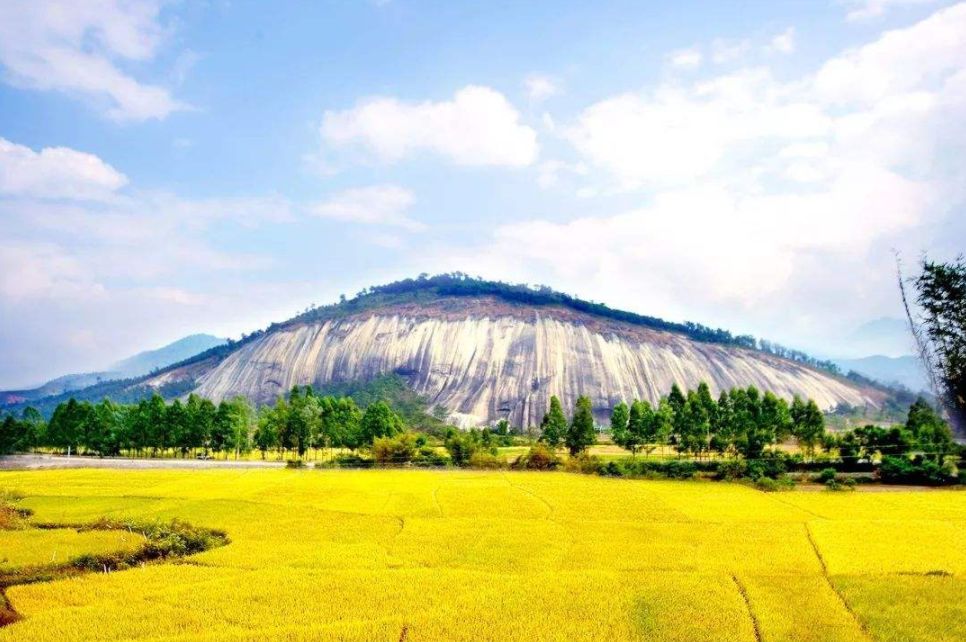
{"x": 583, "y": 462}
{"x": 732, "y": 469}
{"x": 429, "y": 456}
{"x": 485, "y": 460}
{"x": 539, "y": 457}
{"x": 826, "y": 475}
{"x": 394, "y": 450}
{"x": 773, "y": 484}
{"x": 902, "y": 470}
{"x": 461, "y": 447}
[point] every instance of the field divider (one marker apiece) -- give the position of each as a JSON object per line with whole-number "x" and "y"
{"x": 831, "y": 585}
{"x": 756, "y": 625}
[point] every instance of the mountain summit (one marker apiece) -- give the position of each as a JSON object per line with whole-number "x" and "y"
{"x": 485, "y": 350}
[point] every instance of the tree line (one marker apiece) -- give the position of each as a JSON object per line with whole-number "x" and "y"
{"x": 295, "y": 423}
{"x": 746, "y": 423}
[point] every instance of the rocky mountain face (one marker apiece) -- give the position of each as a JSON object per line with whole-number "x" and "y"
{"x": 483, "y": 358}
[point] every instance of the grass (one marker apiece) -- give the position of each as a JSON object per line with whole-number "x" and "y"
{"x": 469, "y": 555}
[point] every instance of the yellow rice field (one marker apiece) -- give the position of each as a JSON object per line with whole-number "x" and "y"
{"x": 458, "y": 555}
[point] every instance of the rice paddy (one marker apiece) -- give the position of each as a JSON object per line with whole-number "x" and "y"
{"x": 472, "y": 555}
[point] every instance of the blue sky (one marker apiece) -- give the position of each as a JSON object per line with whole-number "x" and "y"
{"x": 178, "y": 167}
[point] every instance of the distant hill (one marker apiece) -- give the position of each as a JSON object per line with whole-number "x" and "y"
{"x": 150, "y": 360}
{"x": 135, "y": 366}
{"x": 905, "y": 371}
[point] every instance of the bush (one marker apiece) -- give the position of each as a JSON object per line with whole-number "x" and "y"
{"x": 840, "y": 483}
{"x": 394, "y": 450}
{"x": 902, "y": 470}
{"x": 346, "y": 460}
{"x": 461, "y": 448}
{"x": 428, "y": 456}
{"x": 539, "y": 457}
{"x": 485, "y": 460}
{"x": 294, "y": 463}
{"x": 773, "y": 465}
{"x": 674, "y": 469}
{"x": 773, "y": 484}
{"x": 827, "y": 475}
{"x": 585, "y": 463}
{"x": 732, "y": 469}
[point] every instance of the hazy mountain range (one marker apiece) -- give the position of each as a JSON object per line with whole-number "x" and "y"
{"x": 134, "y": 366}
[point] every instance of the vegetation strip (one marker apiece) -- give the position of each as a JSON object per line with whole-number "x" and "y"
{"x": 831, "y": 585}
{"x": 751, "y": 612}
{"x": 164, "y": 541}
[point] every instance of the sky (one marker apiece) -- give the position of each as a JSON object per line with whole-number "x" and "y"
{"x": 169, "y": 168}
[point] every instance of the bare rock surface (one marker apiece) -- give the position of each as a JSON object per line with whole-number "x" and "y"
{"x": 484, "y": 359}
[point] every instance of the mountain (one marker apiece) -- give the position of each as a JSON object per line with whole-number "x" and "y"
{"x": 138, "y": 365}
{"x": 150, "y": 360}
{"x": 886, "y": 335}
{"x": 485, "y": 350}
{"x": 905, "y": 371}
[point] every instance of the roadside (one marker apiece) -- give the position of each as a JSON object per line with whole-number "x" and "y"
{"x": 32, "y": 462}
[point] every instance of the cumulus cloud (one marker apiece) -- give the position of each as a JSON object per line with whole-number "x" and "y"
{"x": 767, "y": 202}
{"x": 55, "y": 172}
{"x": 478, "y": 126}
{"x": 724, "y": 51}
{"x": 685, "y": 58}
{"x": 539, "y": 87}
{"x": 80, "y": 48}
{"x": 784, "y": 42}
{"x": 676, "y": 134}
{"x": 866, "y": 9}
{"x": 374, "y": 205}
{"x": 919, "y": 58}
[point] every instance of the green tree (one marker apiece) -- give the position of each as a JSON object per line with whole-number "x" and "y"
{"x": 581, "y": 432}
{"x": 808, "y": 424}
{"x": 554, "y": 424}
{"x": 940, "y": 330}
{"x": 928, "y": 430}
{"x": 619, "y": 423}
{"x": 340, "y": 422}
{"x": 270, "y": 420}
{"x": 379, "y": 420}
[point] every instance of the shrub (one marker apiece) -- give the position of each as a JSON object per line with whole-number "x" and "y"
{"x": 294, "y": 463}
{"x": 539, "y": 457}
{"x": 827, "y": 475}
{"x": 394, "y": 450}
{"x": 346, "y": 460}
{"x": 773, "y": 484}
{"x": 485, "y": 460}
{"x": 840, "y": 483}
{"x": 429, "y": 456}
{"x": 585, "y": 463}
{"x": 772, "y": 465}
{"x": 732, "y": 469}
{"x": 902, "y": 470}
{"x": 461, "y": 448}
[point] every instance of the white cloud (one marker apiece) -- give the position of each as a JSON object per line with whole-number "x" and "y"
{"x": 477, "y": 127}
{"x": 539, "y": 87}
{"x": 77, "y": 47}
{"x": 866, "y": 9}
{"x": 678, "y": 134}
{"x": 685, "y": 58}
{"x": 784, "y": 42}
{"x": 725, "y": 51}
{"x": 55, "y": 172}
{"x": 770, "y": 203}
{"x": 377, "y": 204}
{"x": 916, "y": 58}
{"x": 43, "y": 270}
